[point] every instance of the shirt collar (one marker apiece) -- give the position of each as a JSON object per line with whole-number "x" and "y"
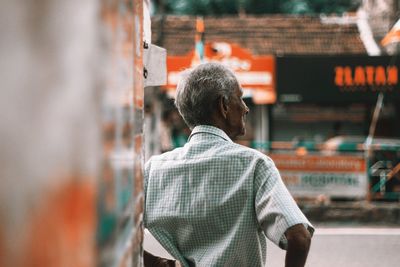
{"x": 210, "y": 130}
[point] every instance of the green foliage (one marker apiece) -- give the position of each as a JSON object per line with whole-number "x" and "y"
{"x": 296, "y": 7}
{"x": 262, "y": 6}
{"x": 198, "y": 7}
{"x": 223, "y": 7}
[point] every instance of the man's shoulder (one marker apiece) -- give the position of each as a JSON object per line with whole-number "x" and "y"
{"x": 219, "y": 150}
{"x": 238, "y": 150}
{"x": 169, "y": 155}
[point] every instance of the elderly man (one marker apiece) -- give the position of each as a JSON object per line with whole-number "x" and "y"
{"x": 214, "y": 202}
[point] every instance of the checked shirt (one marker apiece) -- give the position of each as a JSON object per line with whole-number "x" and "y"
{"x": 213, "y": 202}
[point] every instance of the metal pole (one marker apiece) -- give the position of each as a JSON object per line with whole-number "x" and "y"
{"x": 375, "y": 118}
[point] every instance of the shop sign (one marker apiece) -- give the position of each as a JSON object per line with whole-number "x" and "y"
{"x": 337, "y": 79}
{"x": 256, "y": 74}
{"x": 347, "y": 76}
{"x": 314, "y": 175}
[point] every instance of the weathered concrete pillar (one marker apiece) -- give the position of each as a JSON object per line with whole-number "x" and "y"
{"x": 121, "y": 187}
{"x": 71, "y": 112}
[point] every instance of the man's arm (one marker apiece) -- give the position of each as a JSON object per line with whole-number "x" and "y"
{"x": 299, "y": 241}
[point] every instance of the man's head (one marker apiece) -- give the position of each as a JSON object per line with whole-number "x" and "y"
{"x": 210, "y": 94}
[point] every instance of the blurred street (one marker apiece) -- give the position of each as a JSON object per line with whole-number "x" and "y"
{"x": 348, "y": 246}
{"x": 332, "y": 246}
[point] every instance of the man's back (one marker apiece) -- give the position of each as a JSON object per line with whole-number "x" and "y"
{"x": 210, "y": 202}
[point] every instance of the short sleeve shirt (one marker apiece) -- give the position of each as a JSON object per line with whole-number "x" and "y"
{"x": 214, "y": 202}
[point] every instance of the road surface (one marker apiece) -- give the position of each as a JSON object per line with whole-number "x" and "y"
{"x": 333, "y": 247}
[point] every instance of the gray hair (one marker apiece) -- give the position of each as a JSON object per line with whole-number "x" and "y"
{"x": 200, "y": 88}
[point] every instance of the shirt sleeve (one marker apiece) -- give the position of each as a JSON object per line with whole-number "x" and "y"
{"x": 146, "y": 174}
{"x": 275, "y": 208}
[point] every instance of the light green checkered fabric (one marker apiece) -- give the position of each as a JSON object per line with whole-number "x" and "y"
{"x": 214, "y": 202}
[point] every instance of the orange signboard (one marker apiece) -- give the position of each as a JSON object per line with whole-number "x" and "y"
{"x": 256, "y": 74}
{"x": 319, "y": 163}
{"x": 314, "y": 175}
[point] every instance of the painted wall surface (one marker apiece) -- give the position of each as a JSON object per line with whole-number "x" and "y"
{"x": 120, "y": 198}
{"x": 71, "y": 111}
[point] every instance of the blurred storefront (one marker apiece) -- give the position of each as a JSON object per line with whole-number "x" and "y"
{"x": 249, "y": 45}
{"x": 323, "y": 97}
{"x": 324, "y": 113}
{"x": 318, "y": 82}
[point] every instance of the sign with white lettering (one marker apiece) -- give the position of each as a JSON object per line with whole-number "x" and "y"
{"x": 336, "y": 79}
{"x": 314, "y": 175}
{"x": 256, "y": 74}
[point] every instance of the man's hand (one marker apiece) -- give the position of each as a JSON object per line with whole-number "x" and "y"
{"x": 154, "y": 261}
{"x": 299, "y": 240}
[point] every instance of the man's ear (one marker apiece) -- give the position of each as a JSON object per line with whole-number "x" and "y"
{"x": 223, "y": 106}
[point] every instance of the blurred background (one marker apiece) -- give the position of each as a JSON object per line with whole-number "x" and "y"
{"x": 311, "y": 71}
{"x": 87, "y": 97}
{"x": 321, "y": 81}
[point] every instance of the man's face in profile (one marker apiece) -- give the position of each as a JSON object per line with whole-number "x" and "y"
{"x": 237, "y": 111}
